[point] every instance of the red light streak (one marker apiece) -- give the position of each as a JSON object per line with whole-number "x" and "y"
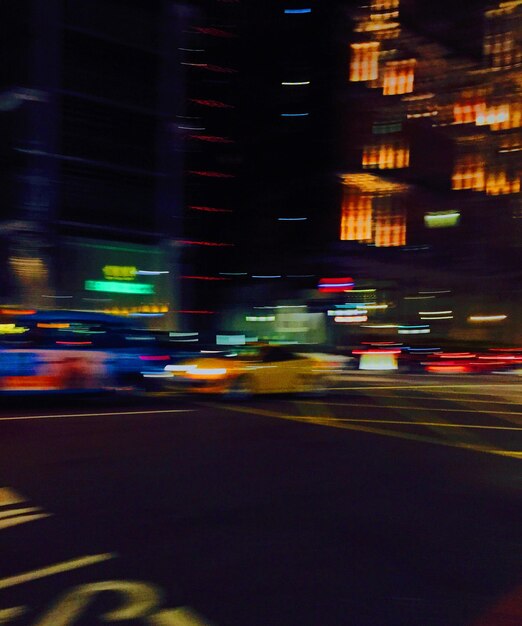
{"x": 213, "y": 103}
{"x": 358, "y": 352}
{"x": 210, "y": 209}
{"x": 155, "y": 358}
{"x": 212, "y": 139}
{"x": 190, "y": 242}
{"x": 214, "y": 32}
{"x": 74, "y": 343}
{"x": 17, "y": 311}
{"x": 211, "y": 174}
{"x": 220, "y": 69}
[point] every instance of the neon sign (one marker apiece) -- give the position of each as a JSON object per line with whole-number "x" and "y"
{"x": 113, "y": 286}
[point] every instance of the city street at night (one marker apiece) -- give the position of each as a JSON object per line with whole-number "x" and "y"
{"x": 391, "y": 501}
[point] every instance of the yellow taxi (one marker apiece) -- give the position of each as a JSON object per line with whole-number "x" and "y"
{"x": 267, "y": 369}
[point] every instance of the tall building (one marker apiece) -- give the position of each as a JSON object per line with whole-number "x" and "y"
{"x": 91, "y": 167}
{"x": 257, "y": 153}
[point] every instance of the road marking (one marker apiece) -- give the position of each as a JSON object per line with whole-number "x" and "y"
{"x": 9, "y": 496}
{"x": 45, "y": 417}
{"x": 10, "y": 517}
{"x": 12, "y": 512}
{"x": 7, "y": 615}
{"x": 182, "y": 616}
{"x": 137, "y": 599}
{"x": 434, "y": 398}
{"x": 422, "y": 408}
{"x": 23, "y": 519}
{"x": 57, "y": 568}
{"x": 406, "y": 422}
{"x": 419, "y": 386}
{"x": 333, "y": 423}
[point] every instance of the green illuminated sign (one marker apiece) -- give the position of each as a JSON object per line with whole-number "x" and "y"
{"x": 442, "y": 219}
{"x": 113, "y": 286}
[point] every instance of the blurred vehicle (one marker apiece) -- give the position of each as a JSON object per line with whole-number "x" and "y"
{"x": 240, "y": 374}
{"x": 76, "y": 351}
{"x": 491, "y": 361}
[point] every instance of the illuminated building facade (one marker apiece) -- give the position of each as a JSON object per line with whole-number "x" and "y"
{"x": 88, "y": 152}
{"x": 441, "y": 112}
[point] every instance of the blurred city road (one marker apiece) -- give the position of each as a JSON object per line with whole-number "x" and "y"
{"x": 393, "y": 500}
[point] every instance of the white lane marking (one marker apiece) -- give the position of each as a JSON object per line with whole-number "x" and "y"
{"x": 9, "y": 496}
{"x": 57, "y": 568}
{"x": 61, "y": 415}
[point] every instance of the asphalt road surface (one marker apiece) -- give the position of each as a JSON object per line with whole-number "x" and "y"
{"x": 393, "y": 501}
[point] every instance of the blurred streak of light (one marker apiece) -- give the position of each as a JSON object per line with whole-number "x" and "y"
{"x": 211, "y": 174}
{"x": 486, "y": 318}
{"x": 212, "y": 103}
{"x": 343, "y": 319}
{"x": 191, "y": 242}
{"x": 209, "y": 209}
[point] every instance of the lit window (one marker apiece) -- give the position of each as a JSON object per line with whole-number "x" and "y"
{"x": 499, "y": 183}
{"x": 386, "y": 156}
{"x": 469, "y": 173}
{"x": 398, "y": 77}
{"x": 384, "y": 5}
{"x": 497, "y": 116}
{"x": 390, "y": 227}
{"x": 468, "y": 112}
{"x": 364, "y": 62}
{"x": 356, "y": 217}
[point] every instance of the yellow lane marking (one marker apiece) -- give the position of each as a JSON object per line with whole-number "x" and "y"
{"x": 9, "y": 496}
{"x": 23, "y": 519}
{"x": 182, "y": 616}
{"x": 7, "y": 615}
{"x": 422, "y": 408}
{"x": 333, "y": 423}
{"x": 434, "y": 398}
{"x": 13, "y": 512}
{"x": 514, "y": 453}
{"x": 419, "y": 386}
{"x": 406, "y": 422}
{"x": 45, "y": 417}
{"x": 58, "y": 568}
